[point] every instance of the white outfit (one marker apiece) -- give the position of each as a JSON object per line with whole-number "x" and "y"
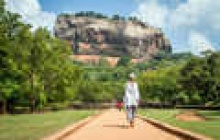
{"x": 132, "y": 96}
{"x": 131, "y": 99}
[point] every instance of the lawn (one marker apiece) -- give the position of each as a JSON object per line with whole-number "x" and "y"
{"x": 36, "y": 126}
{"x": 210, "y": 128}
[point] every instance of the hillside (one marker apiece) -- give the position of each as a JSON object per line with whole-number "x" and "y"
{"x": 112, "y": 38}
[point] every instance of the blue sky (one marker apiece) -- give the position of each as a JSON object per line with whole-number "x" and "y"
{"x": 108, "y": 7}
{"x": 191, "y": 25}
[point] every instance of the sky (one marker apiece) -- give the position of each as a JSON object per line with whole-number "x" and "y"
{"x": 190, "y": 25}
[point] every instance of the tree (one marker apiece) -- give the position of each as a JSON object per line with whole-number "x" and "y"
{"x": 103, "y": 62}
{"x": 10, "y": 28}
{"x": 116, "y": 17}
{"x": 35, "y": 66}
{"x": 133, "y": 18}
{"x": 159, "y": 85}
{"x": 7, "y": 88}
{"x": 213, "y": 62}
{"x": 124, "y": 61}
{"x": 195, "y": 80}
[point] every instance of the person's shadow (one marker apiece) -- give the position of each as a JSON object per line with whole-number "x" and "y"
{"x": 116, "y": 126}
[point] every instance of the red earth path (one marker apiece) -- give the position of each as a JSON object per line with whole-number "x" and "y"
{"x": 112, "y": 125}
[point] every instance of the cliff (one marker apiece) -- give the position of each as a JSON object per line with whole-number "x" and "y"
{"x": 95, "y": 36}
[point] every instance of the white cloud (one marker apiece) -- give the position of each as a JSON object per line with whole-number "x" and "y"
{"x": 198, "y": 43}
{"x": 23, "y": 7}
{"x": 152, "y": 13}
{"x": 187, "y": 22}
{"x": 196, "y": 12}
{"x": 31, "y": 13}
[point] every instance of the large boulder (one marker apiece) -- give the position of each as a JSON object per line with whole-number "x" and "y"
{"x": 96, "y": 36}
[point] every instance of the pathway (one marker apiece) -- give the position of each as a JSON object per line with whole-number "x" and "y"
{"x": 112, "y": 125}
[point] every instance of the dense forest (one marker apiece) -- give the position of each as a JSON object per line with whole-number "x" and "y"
{"x": 37, "y": 72}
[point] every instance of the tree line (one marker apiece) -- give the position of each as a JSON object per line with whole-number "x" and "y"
{"x": 102, "y": 16}
{"x": 196, "y": 81}
{"x": 37, "y": 72}
{"x": 35, "y": 66}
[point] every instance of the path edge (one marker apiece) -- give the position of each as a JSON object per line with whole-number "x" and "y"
{"x": 185, "y": 134}
{"x": 61, "y": 134}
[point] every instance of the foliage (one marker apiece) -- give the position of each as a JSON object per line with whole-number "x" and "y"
{"x": 35, "y": 66}
{"x": 181, "y": 79}
{"x": 118, "y": 17}
{"x": 159, "y": 85}
{"x": 90, "y": 14}
{"x": 200, "y": 78}
{"x": 124, "y": 61}
{"x": 94, "y": 14}
{"x": 36, "y": 70}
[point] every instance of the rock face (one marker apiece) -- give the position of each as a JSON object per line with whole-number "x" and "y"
{"x": 111, "y": 37}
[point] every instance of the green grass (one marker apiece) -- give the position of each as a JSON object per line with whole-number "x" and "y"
{"x": 210, "y": 128}
{"x": 211, "y": 115}
{"x": 36, "y": 126}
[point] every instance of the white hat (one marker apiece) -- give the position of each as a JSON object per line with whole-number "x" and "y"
{"x": 132, "y": 75}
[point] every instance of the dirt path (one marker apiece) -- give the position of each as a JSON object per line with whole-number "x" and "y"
{"x": 112, "y": 125}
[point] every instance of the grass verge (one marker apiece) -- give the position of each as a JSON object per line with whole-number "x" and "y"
{"x": 36, "y": 126}
{"x": 210, "y": 127}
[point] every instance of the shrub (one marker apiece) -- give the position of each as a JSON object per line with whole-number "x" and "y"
{"x": 20, "y": 110}
{"x": 58, "y": 106}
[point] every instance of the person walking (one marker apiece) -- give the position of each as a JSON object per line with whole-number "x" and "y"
{"x": 131, "y": 99}
{"x": 119, "y": 105}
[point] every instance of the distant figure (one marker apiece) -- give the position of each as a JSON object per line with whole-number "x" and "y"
{"x": 131, "y": 99}
{"x": 119, "y": 105}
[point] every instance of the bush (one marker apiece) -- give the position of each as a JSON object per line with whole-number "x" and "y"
{"x": 58, "y": 106}
{"x": 124, "y": 61}
{"x": 20, "y": 110}
{"x": 182, "y": 98}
